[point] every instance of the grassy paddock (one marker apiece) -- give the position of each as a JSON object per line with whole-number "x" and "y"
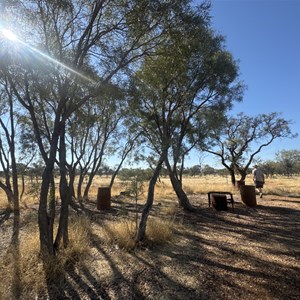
{"x": 278, "y": 185}
{"x": 22, "y": 273}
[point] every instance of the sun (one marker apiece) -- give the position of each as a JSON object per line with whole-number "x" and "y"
{"x": 9, "y": 35}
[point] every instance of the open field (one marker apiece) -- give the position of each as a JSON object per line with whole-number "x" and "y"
{"x": 242, "y": 253}
{"x": 278, "y": 185}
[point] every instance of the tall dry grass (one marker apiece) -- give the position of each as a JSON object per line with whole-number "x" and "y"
{"x": 122, "y": 233}
{"x": 22, "y": 274}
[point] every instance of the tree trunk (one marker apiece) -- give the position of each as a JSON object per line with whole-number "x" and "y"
{"x": 87, "y": 188}
{"x": 23, "y": 187}
{"x": 177, "y": 186}
{"x": 9, "y": 194}
{"x": 114, "y": 175}
{"x": 232, "y": 176}
{"x": 62, "y": 232}
{"x": 45, "y": 228}
{"x": 44, "y": 220}
{"x": 15, "y": 180}
{"x": 72, "y": 175}
{"x": 51, "y": 217}
{"x": 242, "y": 173}
{"x": 141, "y": 233}
{"x": 79, "y": 186}
{"x": 181, "y": 195}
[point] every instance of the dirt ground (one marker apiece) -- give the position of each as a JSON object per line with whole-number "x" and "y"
{"x": 243, "y": 253}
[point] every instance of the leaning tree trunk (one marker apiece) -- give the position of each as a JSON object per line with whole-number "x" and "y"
{"x": 72, "y": 176}
{"x": 81, "y": 177}
{"x": 141, "y": 233}
{"x": 51, "y": 209}
{"x": 183, "y": 200}
{"x": 22, "y": 186}
{"x": 88, "y": 186}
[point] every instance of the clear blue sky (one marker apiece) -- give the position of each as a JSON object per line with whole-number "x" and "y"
{"x": 264, "y": 36}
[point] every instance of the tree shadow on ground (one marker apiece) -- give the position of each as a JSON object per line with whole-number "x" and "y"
{"x": 92, "y": 286}
{"x": 246, "y": 253}
{"x": 258, "y": 246}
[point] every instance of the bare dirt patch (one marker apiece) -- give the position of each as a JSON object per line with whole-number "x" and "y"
{"x": 246, "y": 253}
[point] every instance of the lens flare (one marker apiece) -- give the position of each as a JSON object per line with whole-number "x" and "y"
{"x": 9, "y": 35}
{"x": 12, "y": 37}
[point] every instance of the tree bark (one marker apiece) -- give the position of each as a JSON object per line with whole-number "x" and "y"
{"x": 23, "y": 187}
{"x": 79, "y": 187}
{"x": 44, "y": 220}
{"x": 45, "y": 228}
{"x": 232, "y": 176}
{"x": 177, "y": 186}
{"x": 141, "y": 233}
{"x": 62, "y": 232}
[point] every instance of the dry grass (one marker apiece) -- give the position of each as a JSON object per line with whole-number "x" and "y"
{"x": 242, "y": 253}
{"x": 21, "y": 267}
{"x": 160, "y": 231}
{"x": 278, "y": 185}
{"x": 122, "y": 233}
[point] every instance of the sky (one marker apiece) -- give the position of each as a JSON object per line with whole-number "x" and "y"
{"x": 264, "y": 37}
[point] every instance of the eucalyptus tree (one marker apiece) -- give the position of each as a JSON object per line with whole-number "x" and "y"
{"x": 269, "y": 167}
{"x": 288, "y": 162}
{"x": 242, "y": 138}
{"x": 192, "y": 74}
{"x": 8, "y": 144}
{"x": 92, "y": 131}
{"x": 68, "y": 43}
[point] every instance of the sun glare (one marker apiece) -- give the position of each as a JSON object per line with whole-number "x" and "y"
{"x": 9, "y": 35}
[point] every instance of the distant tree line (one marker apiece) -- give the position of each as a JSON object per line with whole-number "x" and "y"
{"x": 286, "y": 163}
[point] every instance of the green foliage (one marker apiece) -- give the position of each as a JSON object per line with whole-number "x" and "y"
{"x": 241, "y": 138}
{"x": 288, "y": 162}
{"x": 141, "y": 174}
{"x": 134, "y": 180}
